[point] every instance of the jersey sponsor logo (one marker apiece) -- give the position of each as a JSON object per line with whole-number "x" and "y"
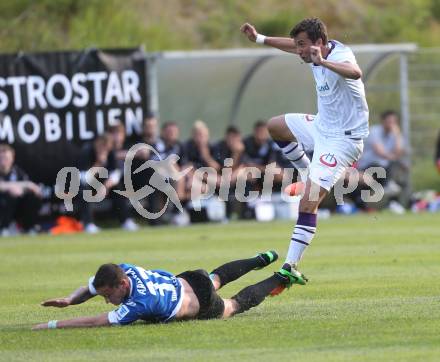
{"x": 323, "y": 88}
{"x": 122, "y": 311}
{"x": 328, "y": 159}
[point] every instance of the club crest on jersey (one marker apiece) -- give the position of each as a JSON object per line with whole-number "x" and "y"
{"x": 328, "y": 159}
{"x": 323, "y": 88}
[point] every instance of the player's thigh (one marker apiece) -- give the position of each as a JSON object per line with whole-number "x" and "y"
{"x": 278, "y": 129}
{"x": 302, "y": 127}
{"x": 331, "y": 158}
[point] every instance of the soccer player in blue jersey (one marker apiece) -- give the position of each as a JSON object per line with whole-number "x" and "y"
{"x": 159, "y": 296}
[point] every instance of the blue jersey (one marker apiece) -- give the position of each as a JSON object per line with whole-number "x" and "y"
{"x": 155, "y": 295}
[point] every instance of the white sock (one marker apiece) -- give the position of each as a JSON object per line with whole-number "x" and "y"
{"x": 295, "y": 153}
{"x": 301, "y": 238}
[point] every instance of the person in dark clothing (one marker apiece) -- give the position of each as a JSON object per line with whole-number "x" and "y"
{"x": 258, "y": 147}
{"x": 149, "y": 137}
{"x": 20, "y": 198}
{"x": 168, "y": 145}
{"x": 199, "y": 153}
{"x": 232, "y": 149}
{"x": 100, "y": 153}
{"x": 259, "y": 150}
{"x": 199, "y": 150}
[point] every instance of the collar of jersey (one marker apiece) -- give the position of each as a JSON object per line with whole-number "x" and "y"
{"x": 131, "y": 288}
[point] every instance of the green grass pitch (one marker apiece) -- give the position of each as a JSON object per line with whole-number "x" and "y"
{"x": 373, "y": 295}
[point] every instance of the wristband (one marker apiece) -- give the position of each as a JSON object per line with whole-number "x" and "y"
{"x": 52, "y": 324}
{"x": 260, "y": 39}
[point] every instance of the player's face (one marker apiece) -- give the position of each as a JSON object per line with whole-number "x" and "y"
{"x": 303, "y": 44}
{"x": 113, "y": 295}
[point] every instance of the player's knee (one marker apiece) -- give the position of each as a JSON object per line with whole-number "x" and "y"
{"x": 231, "y": 308}
{"x": 274, "y": 126}
{"x": 278, "y": 129}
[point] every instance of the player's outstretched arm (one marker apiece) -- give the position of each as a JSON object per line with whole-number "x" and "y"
{"x": 285, "y": 44}
{"x": 80, "y": 322}
{"x": 79, "y": 296}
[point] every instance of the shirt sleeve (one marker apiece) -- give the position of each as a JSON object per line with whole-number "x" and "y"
{"x": 92, "y": 289}
{"x": 343, "y": 55}
{"x": 125, "y": 314}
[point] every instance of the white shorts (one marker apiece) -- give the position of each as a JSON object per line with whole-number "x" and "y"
{"x": 331, "y": 155}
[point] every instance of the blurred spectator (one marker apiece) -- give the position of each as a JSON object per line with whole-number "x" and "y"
{"x": 20, "y": 198}
{"x": 170, "y": 137}
{"x": 117, "y": 132}
{"x": 232, "y": 146}
{"x": 100, "y": 153}
{"x": 198, "y": 149}
{"x": 437, "y": 153}
{"x": 385, "y": 148}
{"x": 199, "y": 153}
{"x": 258, "y": 146}
{"x": 150, "y": 136}
{"x": 169, "y": 144}
{"x": 150, "y": 131}
{"x": 259, "y": 150}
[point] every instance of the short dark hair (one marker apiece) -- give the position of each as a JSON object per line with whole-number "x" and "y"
{"x": 232, "y": 130}
{"x": 313, "y": 27}
{"x": 150, "y": 114}
{"x": 260, "y": 123}
{"x": 149, "y": 118}
{"x": 169, "y": 124}
{"x": 118, "y": 127}
{"x": 387, "y": 113}
{"x": 6, "y": 147}
{"x": 105, "y": 138}
{"x": 108, "y": 275}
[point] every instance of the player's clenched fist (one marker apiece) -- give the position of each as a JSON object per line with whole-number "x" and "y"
{"x": 58, "y": 302}
{"x": 249, "y": 31}
{"x": 316, "y": 55}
